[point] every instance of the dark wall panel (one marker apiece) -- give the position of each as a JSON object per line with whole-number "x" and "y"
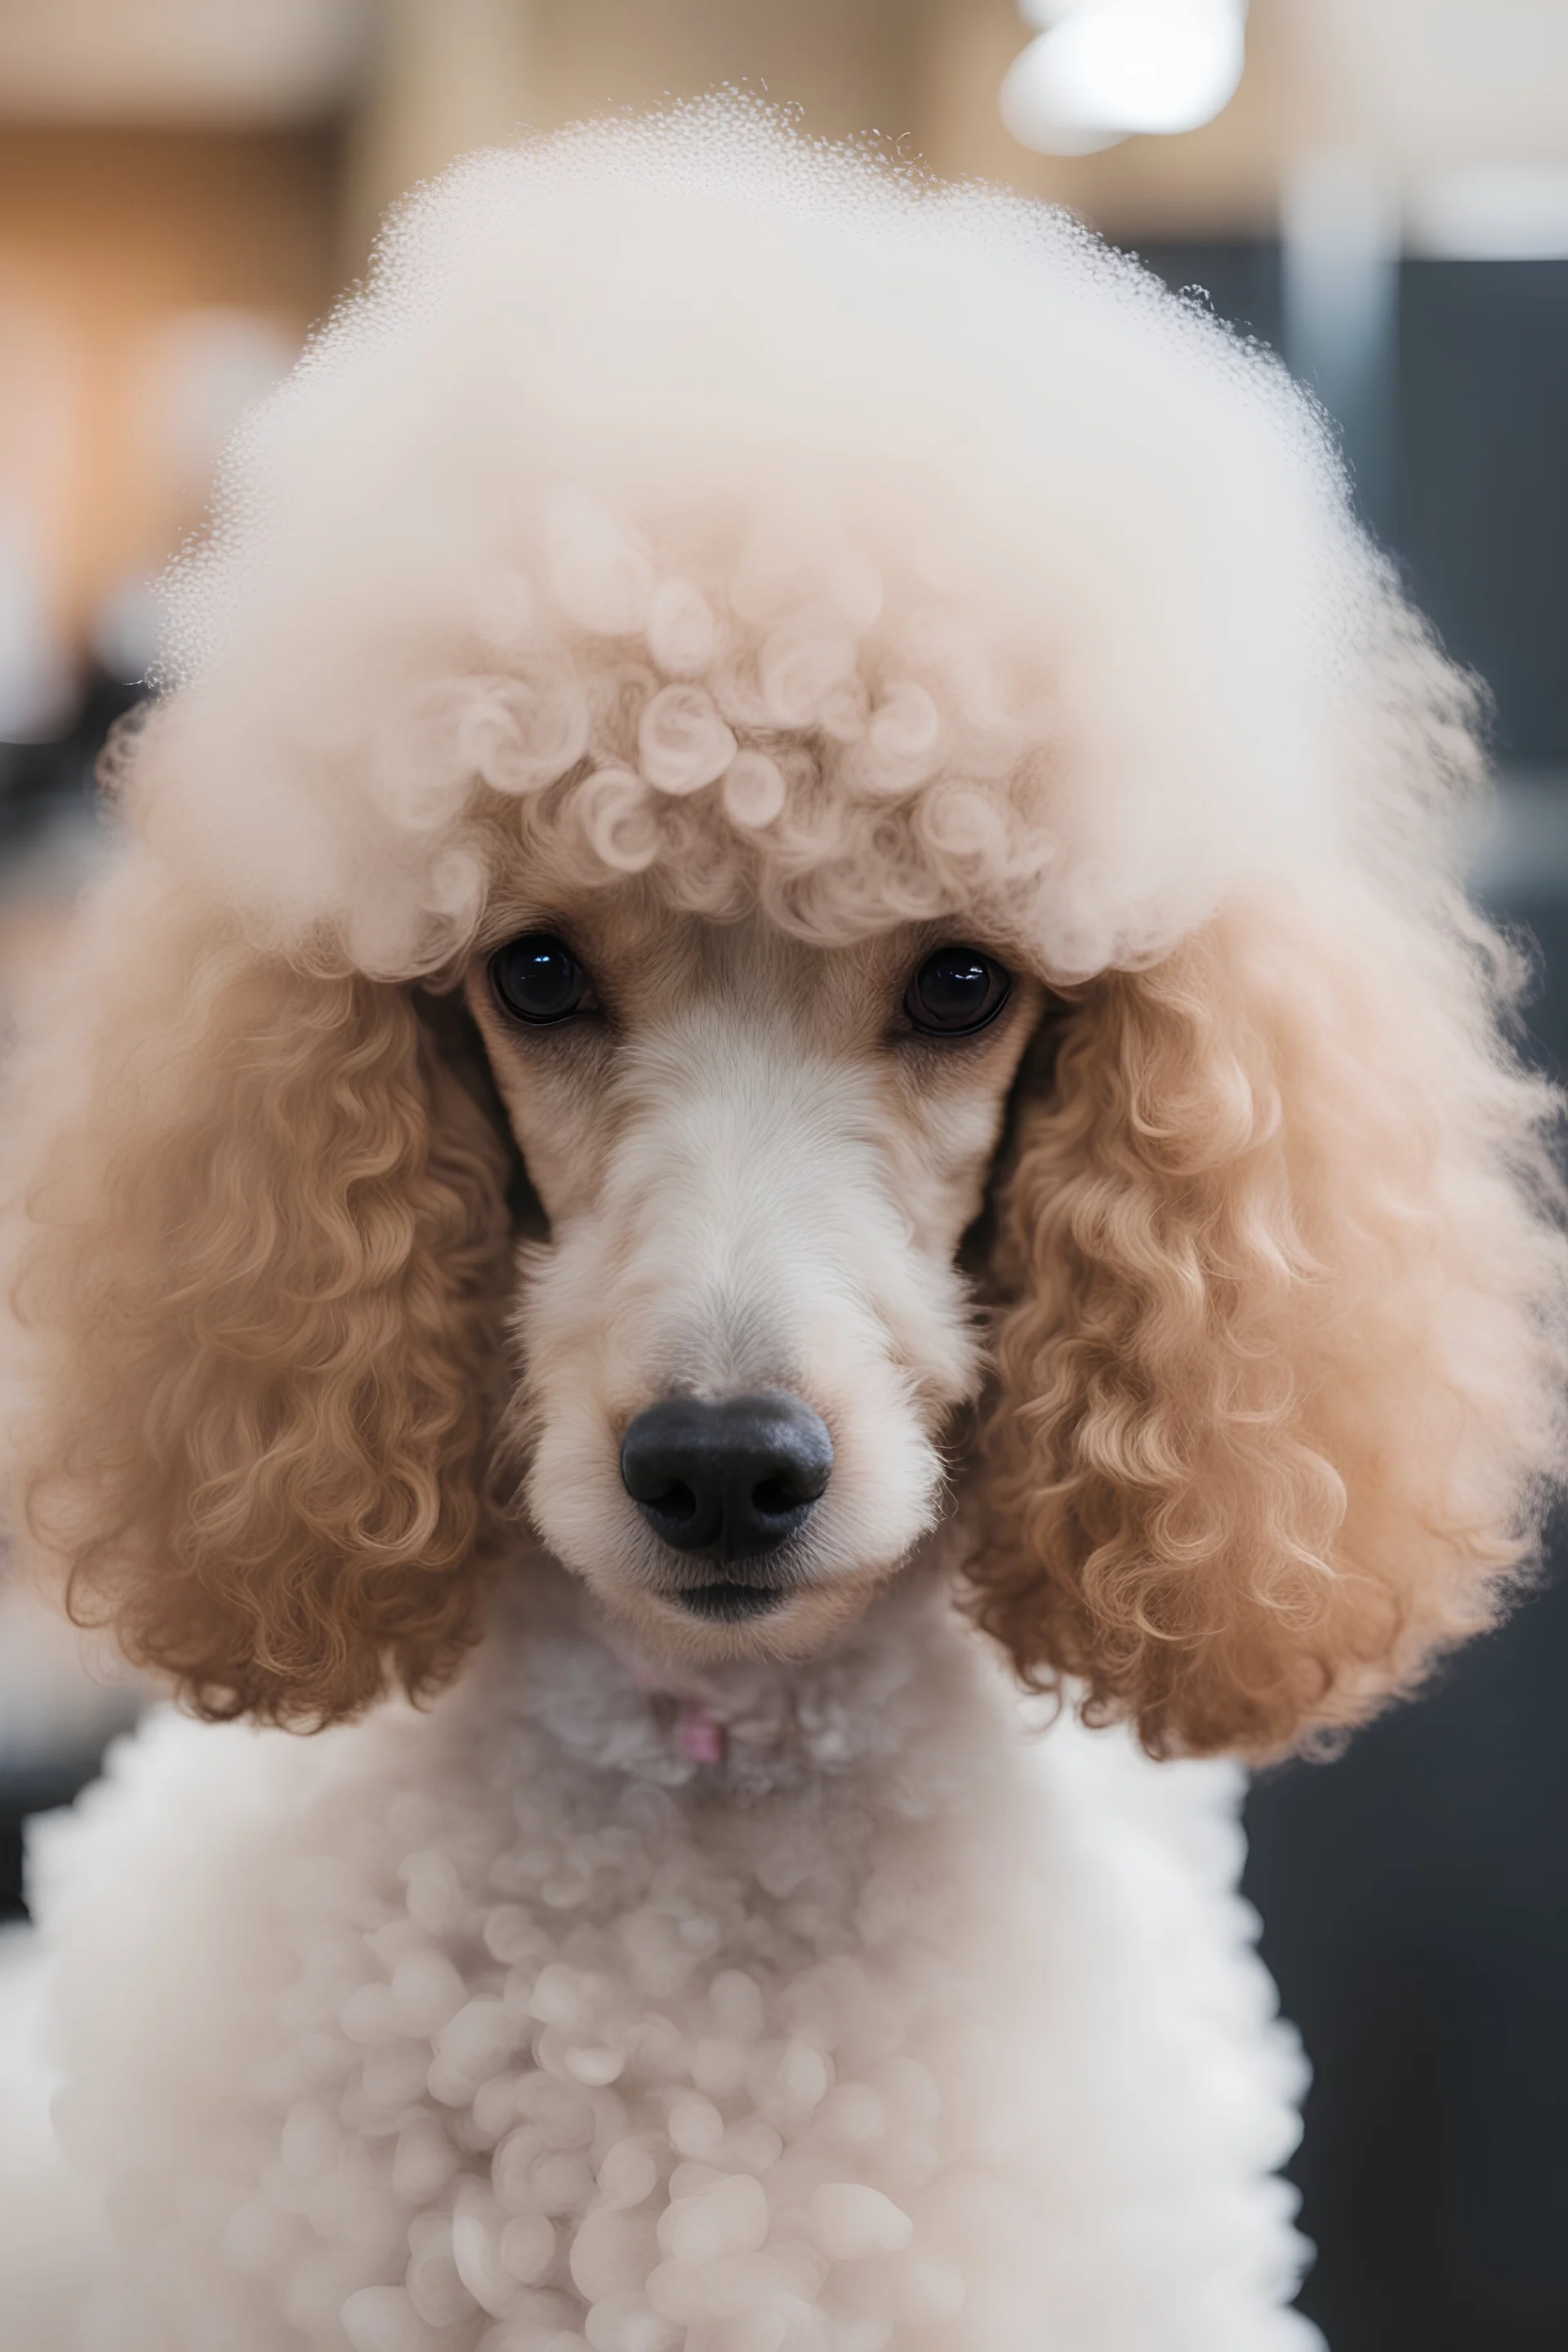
{"x": 1482, "y": 500}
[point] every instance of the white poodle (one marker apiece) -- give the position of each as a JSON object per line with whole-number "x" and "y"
{"x": 782, "y": 1033}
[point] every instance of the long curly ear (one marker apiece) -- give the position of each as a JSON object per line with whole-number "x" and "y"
{"x": 259, "y": 1272}
{"x": 1279, "y": 1382}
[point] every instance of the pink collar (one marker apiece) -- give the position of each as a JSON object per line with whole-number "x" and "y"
{"x": 701, "y": 1736}
{"x": 698, "y": 1734}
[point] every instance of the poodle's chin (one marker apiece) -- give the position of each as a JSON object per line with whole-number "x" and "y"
{"x": 734, "y": 1615}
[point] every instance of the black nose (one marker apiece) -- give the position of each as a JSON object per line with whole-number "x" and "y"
{"x": 730, "y": 1479}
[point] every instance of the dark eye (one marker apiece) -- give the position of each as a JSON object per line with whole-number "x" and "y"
{"x": 956, "y": 992}
{"x": 537, "y": 978}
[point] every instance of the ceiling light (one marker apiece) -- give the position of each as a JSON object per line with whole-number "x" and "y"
{"x": 1104, "y": 68}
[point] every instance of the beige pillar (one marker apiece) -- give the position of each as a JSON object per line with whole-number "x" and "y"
{"x": 447, "y": 76}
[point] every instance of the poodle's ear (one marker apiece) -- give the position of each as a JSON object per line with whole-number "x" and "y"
{"x": 1279, "y": 1364}
{"x": 257, "y": 1279}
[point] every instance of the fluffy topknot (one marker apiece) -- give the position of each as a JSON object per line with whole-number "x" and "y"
{"x": 757, "y": 514}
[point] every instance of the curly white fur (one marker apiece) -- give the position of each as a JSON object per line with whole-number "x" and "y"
{"x": 702, "y": 458}
{"x": 507, "y": 2026}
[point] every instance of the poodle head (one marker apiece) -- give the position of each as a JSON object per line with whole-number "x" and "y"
{"x": 794, "y": 875}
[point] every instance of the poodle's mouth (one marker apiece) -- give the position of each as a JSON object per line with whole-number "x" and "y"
{"x": 724, "y": 1600}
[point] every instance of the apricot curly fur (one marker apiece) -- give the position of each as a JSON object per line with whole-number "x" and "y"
{"x": 268, "y": 1253}
{"x": 1277, "y": 1391}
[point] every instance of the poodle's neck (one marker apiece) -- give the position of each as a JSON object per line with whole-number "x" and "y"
{"x": 748, "y": 1727}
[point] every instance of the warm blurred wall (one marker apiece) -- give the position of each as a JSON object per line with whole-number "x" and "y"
{"x": 113, "y": 242}
{"x": 455, "y": 74}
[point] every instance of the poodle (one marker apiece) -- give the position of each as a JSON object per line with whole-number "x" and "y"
{"x": 782, "y": 1171}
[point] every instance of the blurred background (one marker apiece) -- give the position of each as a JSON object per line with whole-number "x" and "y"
{"x": 1379, "y": 189}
